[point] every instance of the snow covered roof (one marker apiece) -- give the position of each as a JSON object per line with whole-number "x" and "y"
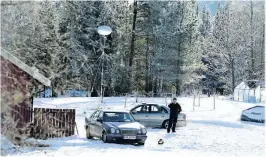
{"x": 250, "y": 84}
{"x": 32, "y": 71}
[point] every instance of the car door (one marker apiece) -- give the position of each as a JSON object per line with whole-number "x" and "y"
{"x": 98, "y": 127}
{"x": 88, "y": 121}
{"x": 157, "y": 115}
{"x": 141, "y": 114}
{"x": 93, "y": 123}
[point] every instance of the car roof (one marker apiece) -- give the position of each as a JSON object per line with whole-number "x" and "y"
{"x": 160, "y": 105}
{"x": 114, "y": 110}
{"x": 150, "y": 104}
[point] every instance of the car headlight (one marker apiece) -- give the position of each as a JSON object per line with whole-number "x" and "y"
{"x": 117, "y": 131}
{"x": 139, "y": 131}
{"x": 143, "y": 130}
{"x": 112, "y": 130}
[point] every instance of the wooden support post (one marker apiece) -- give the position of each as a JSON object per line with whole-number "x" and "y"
{"x": 77, "y": 128}
{"x": 214, "y": 101}
{"x": 194, "y": 102}
{"x": 199, "y": 96}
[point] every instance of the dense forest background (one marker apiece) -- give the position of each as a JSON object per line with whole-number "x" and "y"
{"x": 155, "y": 46}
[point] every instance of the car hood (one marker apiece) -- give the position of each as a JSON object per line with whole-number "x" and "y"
{"x": 124, "y": 125}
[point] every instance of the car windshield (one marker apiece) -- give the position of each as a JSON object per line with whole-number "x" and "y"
{"x": 256, "y": 108}
{"x": 117, "y": 117}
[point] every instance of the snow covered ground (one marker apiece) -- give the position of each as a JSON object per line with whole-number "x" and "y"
{"x": 209, "y": 132}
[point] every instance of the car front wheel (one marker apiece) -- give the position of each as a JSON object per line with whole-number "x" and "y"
{"x": 104, "y": 138}
{"x": 141, "y": 144}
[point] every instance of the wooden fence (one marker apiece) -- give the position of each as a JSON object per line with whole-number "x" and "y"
{"x": 41, "y": 122}
{"x": 21, "y": 114}
{"x": 49, "y": 123}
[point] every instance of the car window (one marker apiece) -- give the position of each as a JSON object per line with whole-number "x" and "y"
{"x": 163, "y": 110}
{"x": 117, "y": 117}
{"x": 92, "y": 115}
{"x": 142, "y": 109}
{"x": 100, "y": 115}
{"x": 96, "y": 115}
{"x": 138, "y": 109}
{"x": 255, "y": 107}
{"x": 154, "y": 109}
{"x": 157, "y": 109}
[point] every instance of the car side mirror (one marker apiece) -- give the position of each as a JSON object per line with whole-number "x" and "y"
{"x": 99, "y": 120}
{"x": 133, "y": 112}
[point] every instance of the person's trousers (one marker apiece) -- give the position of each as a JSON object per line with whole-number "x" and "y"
{"x": 172, "y": 123}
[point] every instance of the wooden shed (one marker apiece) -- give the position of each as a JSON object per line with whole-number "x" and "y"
{"x": 18, "y": 80}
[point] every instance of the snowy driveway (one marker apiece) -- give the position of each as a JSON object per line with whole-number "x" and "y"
{"x": 216, "y": 133}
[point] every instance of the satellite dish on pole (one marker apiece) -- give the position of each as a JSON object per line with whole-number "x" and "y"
{"x": 104, "y": 30}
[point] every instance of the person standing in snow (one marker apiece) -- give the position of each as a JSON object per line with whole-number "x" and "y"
{"x": 175, "y": 109}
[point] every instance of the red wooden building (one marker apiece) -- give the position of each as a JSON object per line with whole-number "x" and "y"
{"x": 18, "y": 82}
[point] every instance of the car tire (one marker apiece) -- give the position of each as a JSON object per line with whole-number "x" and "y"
{"x": 165, "y": 124}
{"x": 88, "y": 134}
{"x": 141, "y": 144}
{"x": 104, "y": 138}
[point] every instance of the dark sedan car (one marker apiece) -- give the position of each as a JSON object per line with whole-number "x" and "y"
{"x": 115, "y": 126}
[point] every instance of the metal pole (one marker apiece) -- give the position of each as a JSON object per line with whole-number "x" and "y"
{"x": 102, "y": 57}
{"x": 102, "y": 85}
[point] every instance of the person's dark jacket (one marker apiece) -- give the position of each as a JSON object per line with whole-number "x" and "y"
{"x": 175, "y": 109}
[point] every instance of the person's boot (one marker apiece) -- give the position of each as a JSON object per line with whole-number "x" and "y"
{"x": 173, "y": 128}
{"x": 169, "y": 127}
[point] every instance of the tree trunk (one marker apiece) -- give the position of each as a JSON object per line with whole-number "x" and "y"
{"x": 131, "y": 56}
{"x": 88, "y": 91}
{"x": 252, "y": 42}
{"x": 179, "y": 54}
{"x": 147, "y": 66}
{"x": 44, "y": 91}
{"x": 52, "y": 90}
{"x": 133, "y": 34}
{"x": 233, "y": 74}
{"x": 262, "y": 52}
{"x": 155, "y": 85}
